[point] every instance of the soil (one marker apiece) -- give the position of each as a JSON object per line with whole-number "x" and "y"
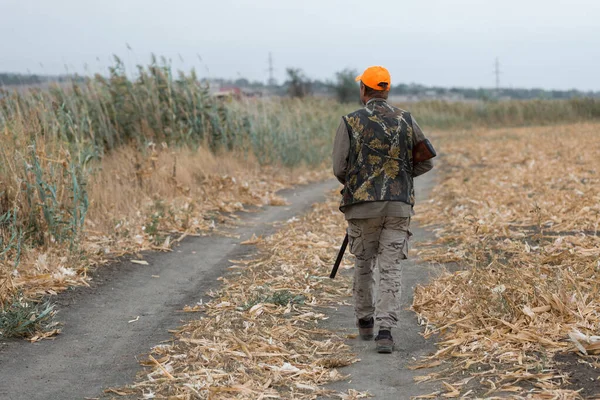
{"x": 582, "y": 373}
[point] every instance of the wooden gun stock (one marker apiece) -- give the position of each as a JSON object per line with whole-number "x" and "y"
{"x": 423, "y": 151}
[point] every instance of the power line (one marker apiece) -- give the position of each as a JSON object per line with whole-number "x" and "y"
{"x": 497, "y": 73}
{"x": 272, "y": 81}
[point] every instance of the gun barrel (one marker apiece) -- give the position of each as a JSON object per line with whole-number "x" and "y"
{"x": 339, "y": 258}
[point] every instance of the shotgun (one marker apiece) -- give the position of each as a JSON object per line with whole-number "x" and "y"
{"x": 423, "y": 151}
{"x": 339, "y": 257}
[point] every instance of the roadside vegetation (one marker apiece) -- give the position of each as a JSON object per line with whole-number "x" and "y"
{"x": 109, "y": 165}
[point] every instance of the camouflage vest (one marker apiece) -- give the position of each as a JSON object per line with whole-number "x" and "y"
{"x": 380, "y": 157}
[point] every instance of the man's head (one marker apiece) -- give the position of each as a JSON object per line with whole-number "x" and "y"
{"x": 375, "y": 82}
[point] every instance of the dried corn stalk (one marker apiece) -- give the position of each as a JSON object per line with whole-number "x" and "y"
{"x": 519, "y": 209}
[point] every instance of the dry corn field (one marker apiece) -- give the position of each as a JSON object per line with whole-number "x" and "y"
{"x": 516, "y": 209}
{"x": 519, "y": 211}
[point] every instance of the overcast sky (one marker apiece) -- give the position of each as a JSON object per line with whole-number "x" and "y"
{"x": 553, "y": 44}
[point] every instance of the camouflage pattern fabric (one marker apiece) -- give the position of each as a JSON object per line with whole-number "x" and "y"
{"x": 384, "y": 241}
{"x": 380, "y": 157}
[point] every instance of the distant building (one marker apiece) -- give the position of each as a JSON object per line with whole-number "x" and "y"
{"x": 234, "y": 92}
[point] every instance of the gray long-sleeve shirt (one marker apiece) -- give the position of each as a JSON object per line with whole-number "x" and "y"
{"x": 374, "y": 209}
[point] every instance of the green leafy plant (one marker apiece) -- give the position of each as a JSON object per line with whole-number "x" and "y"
{"x": 24, "y": 318}
{"x": 280, "y": 298}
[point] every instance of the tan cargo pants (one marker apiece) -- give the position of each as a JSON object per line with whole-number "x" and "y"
{"x": 384, "y": 241}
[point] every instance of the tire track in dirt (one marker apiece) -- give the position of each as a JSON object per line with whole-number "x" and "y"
{"x": 102, "y": 334}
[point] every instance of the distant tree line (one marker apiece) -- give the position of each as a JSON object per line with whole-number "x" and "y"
{"x": 344, "y": 87}
{"x": 414, "y": 89}
{"x": 11, "y": 79}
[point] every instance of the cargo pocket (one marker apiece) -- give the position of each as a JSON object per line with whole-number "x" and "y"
{"x": 355, "y": 240}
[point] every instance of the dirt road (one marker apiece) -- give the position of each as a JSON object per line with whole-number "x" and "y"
{"x": 130, "y": 309}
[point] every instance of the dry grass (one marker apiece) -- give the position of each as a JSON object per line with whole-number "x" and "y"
{"x": 520, "y": 210}
{"x": 259, "y": 336}
{"x": 126, "y": 184}
{"x": 147, "y": 202}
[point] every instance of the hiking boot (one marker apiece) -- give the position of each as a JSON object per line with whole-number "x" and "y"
{"x": 365, "y": 328}
{"x": 384, "y": 343}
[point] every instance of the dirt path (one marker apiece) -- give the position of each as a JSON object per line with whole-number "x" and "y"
{"x": 387, "y": 376}
{"x": 99, "y": 344}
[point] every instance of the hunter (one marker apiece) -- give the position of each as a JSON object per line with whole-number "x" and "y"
{"x": 373, "y": 158}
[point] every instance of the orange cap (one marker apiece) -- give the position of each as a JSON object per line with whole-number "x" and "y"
{"x": 374, "y": 76}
